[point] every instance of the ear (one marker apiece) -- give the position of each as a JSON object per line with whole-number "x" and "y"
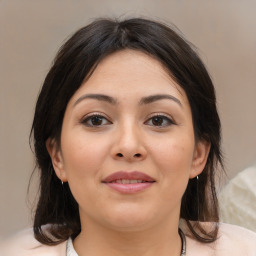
{"x": 200, "y": 157}
{"x": 57, "y": 159}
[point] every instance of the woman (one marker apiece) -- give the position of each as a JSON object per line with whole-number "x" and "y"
{"x": 127, "y": 139}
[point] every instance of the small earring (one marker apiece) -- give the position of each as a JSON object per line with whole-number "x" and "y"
{"x": 198, "y": 201}
{"x": 62, "y": 183}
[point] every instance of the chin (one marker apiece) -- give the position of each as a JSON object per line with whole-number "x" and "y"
{"x": 131, "y": 219}
{"x": 129, "y": 226}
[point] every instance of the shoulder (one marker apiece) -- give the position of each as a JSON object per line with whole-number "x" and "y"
{"x": 236, "y": 240}
{"x": 24, "y": 243}
{"x": 232, "y": 240}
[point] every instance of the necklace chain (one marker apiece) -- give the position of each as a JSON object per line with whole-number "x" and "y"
{"x": 183, "y": 243}
{"x": 71, "y": 251}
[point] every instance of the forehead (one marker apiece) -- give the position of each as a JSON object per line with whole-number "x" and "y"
{"x": 130, "y": 73}
{"x": 131, "y": 62}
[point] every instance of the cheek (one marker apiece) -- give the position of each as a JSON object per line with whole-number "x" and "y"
{"x": 174, "y": 161}
{"x": 82, "y": 156}
{"x": 175, "y": 156}
{"x": 83, "y": 160}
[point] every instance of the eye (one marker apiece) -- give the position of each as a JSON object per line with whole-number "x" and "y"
{"x": 95, "y": 120}
{"x": 160, "y": 121}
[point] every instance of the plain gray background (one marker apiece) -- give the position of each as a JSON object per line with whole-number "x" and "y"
{"x": 32, "y": 31}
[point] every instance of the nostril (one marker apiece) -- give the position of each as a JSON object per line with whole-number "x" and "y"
{"x": 119, "y": 155}
{"x": 137, "y": 155}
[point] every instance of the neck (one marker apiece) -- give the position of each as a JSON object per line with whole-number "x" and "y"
{"x": 161, "y": 240}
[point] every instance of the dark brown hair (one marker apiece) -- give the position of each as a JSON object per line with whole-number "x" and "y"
{"x": 75, "y": 61}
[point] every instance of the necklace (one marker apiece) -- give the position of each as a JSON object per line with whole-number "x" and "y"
{"x": 71, "y": 251}
{"x": 183, "y": 242}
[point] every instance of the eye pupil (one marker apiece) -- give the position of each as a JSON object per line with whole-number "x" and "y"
{"x": 157, "y": 120}
{"x": 96, "y": 120}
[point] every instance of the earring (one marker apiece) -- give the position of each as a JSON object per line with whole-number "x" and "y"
{"x": 197, "y": 192}
{"x": 61, "y": 182}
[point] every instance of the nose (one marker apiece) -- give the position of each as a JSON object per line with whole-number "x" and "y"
{"x": 129, "y": 145}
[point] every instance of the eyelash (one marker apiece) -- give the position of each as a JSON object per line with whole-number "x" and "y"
{"x": 89, "y": 118}
{"x": 164, "y": 118}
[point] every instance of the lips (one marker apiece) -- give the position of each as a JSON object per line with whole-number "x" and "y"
{"x": 128, "y": 176}
{"x": 129, "y": 182}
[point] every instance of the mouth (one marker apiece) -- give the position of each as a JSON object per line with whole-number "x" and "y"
{"x": 125, "y": 181}
{"x": 128, "y": 182}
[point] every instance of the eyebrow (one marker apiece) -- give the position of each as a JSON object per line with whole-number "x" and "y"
{"x": 153, "y": 98}
{"x": 100, "y": 97}
{"x": 143, "y": 101}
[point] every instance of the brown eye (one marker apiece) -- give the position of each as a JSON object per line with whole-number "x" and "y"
{"x": 95, "y": 120}
{"x": 157, "y": 120}
{"x": 160, "y": 121}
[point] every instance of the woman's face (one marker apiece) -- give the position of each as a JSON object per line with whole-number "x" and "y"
{"x": 127, "y": 144}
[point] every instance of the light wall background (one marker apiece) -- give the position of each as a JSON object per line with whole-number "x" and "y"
{"x": 32, "y": 31}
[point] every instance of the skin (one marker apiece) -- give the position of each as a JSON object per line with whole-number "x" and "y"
{"x": 127, "y": 137}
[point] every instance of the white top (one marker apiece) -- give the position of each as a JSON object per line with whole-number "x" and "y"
{"x": 232, "y": 241}
{"x": 70, "y": 248}
{"x": 238, "y": 200}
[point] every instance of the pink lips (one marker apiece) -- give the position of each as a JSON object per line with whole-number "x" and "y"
{"x": 128, "y": 182}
